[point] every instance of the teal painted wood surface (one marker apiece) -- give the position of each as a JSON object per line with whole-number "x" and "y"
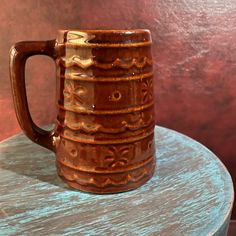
{"x": 190, "y": 194}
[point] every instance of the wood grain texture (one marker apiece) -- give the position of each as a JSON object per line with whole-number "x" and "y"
{"x": 190, "y": 194}
{"x": 194, "y": 56}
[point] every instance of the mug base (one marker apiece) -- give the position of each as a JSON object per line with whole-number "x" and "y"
{"x": 104, "y": 184}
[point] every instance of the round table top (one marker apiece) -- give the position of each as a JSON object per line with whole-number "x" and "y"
{"x": 191, "y": 193}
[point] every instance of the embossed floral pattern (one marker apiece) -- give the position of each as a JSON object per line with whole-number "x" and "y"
{"x": 74, "y": 94}
{"x": 147, "y": 90}
{"x": 117, "y": 157}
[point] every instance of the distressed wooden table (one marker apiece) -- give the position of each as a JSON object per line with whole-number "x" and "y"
{"x": 190, "y": 194}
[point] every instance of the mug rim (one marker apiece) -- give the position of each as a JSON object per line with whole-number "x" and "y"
{"x": 126, "y": 31}
{"x": 104, "y": 38}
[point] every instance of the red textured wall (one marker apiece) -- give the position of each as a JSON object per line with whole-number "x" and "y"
{"x": 31, "y": 20}
{"x": 194, "y": 50}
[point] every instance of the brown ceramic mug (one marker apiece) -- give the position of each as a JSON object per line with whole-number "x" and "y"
{"x": 104, "y": 137}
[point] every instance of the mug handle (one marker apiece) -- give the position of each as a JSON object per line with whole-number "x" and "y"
{"x": 19, "y": 54}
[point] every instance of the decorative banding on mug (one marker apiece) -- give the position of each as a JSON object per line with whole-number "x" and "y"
{"x": 109, "y": 157}
{"x": 85, "y": 63}
{"x": 84, "y": 77}
{"x": 111, "y": 141}
{"x": 102, "y": 171}
{"x": 105, "y": 181}
{"x": 100, "y": 128}
{"x": 108, "y": 112}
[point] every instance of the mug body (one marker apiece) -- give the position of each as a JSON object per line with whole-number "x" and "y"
{"x": 105, "y": 116}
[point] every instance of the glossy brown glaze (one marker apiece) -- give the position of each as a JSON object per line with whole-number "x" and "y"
{"x": 104, "y": 134}
{"x": 19, "y": 53}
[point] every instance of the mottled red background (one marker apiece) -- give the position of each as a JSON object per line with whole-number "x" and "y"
{"x": 194, "y": 50}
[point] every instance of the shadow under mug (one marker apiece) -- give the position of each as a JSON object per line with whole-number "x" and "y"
{"x": 104, "y": 136}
